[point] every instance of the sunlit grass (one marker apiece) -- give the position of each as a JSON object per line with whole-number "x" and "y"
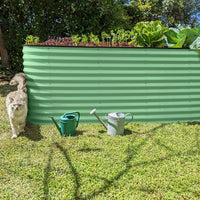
{"x": 151, "y": 161}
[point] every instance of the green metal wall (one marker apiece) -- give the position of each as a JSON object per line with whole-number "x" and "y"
{"x": 157, "y": 85}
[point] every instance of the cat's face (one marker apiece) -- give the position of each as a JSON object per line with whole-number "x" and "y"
{"x": 17, "y": 105}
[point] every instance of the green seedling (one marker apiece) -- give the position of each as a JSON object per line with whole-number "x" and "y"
{"x": 127, "y": 36}
{"x": 94, "y": 38}
{"x": 120, "y": 35}
{"x": 103, "y": 36}
{"x": 30, "y": 39}
{"x": 114, "y": 36}
{"x": 85, "y": 39}
{"x": 76, "y": 39}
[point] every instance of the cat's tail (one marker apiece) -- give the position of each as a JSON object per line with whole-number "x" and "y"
{"x": 19, "y": 79}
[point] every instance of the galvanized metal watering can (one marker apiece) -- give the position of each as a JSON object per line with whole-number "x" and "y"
{"x": 68, "y": 123}
{"x": 116, "y": 122}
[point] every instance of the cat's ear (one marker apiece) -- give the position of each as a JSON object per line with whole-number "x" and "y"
{"x": 11, "y": 99}
{"x": 22, "y": 74}
{"x": 13, "y": 82}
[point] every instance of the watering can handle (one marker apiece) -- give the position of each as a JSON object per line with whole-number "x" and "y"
{"x": 74, "y": 112}
{"x": 131, "y": 118}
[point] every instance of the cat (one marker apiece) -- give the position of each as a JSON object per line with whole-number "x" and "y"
{"x": 16, "y": 103}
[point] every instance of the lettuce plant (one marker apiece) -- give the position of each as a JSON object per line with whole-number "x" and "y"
{"x": 149, "y": 34}
{"x": 182, "y": 38}
{"x": 196, "y": 44}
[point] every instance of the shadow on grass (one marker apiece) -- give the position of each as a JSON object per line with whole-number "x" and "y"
{"x": 47, "y": 175}
{"x": 78, "y": 133}
{"x": 72, "y": 168}
{"x": 127, "y": 132}
{"x": 87, "y": 150}
{"x": 158, "y": 142}
{"x": 193, "y": 123}
{"x": 103, "y": 131}
{"x": 32, "y": 132}
{"x": 152, "y": 130}
{"x": 131, "y": 152}
{"x": 95, "y": 136}
{"x": 197, "y": 141}
{"x": 48, "y": 169}
{"x": 6, "y": 88}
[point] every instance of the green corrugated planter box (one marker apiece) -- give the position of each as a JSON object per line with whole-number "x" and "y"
{"x": 156, "y": 85}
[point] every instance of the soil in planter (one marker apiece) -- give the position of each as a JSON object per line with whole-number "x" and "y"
{"x": 67, "y": 41}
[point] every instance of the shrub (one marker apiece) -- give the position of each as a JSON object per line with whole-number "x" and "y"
{"x": 55, "y": 18}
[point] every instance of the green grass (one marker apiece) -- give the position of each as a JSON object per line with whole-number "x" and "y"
{"x": 151, "y": 161}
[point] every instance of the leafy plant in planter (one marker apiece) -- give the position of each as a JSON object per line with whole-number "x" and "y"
{"x": 94, "y": 38}
{"x": 149, "y": 34}
{"x": 127, "y": 36}
{"x": 182, "y": 38}
{"x": 105, "y": 37}
{"x": 30, "y": 39}
{"x": 131, "y": 39}
{"x": 76, "y": 39}
{"x": 196, "y": 44}
{"x": 85, "y": 39}
{"x": 108, "y": 39}
{"x": 120, "y": 35}
{"x": 114, "y": 36}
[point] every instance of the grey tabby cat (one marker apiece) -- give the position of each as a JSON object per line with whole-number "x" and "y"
{"x": 16, "y": 103}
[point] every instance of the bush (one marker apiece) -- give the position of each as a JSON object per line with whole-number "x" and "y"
{"x": 55, "y": 18}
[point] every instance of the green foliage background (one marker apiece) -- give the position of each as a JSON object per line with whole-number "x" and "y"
{"x": 44, "y": 18}
{"x": 55, "y": 18}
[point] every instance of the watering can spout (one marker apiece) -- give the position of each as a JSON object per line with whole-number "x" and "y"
{"x": 54, "y": 121}
{"x": 102, "y": 122}
{"x": 116, "y": 122}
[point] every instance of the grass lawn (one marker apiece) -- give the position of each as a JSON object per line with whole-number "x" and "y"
{"x": 151, "y": 161}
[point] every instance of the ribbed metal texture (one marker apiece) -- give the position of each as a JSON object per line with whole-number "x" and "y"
{"x": 156, "y": 85}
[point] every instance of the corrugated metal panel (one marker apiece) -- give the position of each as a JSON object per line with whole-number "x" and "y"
{"x": 157, "y": 85}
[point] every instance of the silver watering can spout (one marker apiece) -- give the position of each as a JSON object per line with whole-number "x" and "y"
{"x": 116, "y": 122}
{"x": 102, "y": 122}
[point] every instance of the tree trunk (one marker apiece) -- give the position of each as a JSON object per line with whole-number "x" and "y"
{"x": 3, "y": 52}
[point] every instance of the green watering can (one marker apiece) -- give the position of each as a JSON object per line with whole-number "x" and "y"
{"x": 68, "y": 123}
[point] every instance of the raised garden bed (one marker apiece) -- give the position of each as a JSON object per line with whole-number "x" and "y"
{"x": 157, "y": 85}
